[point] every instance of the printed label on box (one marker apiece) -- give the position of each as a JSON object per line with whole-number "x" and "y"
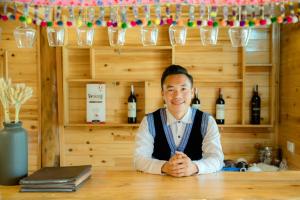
{"x": 95, "y": 99}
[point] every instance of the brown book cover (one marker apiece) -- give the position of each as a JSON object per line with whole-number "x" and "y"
{"x": 73, "y": 175}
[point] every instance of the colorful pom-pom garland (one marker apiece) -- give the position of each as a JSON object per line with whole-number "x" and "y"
{"x": 212, "y": 21}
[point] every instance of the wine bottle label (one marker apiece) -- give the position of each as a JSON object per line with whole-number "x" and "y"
{"x": 131, "y": 109}
{"x": 220, "y": 114}
{"x": 196, "y": 106}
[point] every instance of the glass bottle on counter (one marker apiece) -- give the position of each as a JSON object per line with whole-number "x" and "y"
{"x": 220, "y": 108}
{"x": 196, "y": 100}
{"x": 132, "y": 106}
{"x": 255, "y": 107}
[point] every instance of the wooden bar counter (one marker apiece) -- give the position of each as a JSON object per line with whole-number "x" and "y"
{"x": 137, "y": 185}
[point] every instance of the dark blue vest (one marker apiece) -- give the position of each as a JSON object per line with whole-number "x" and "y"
{"x": 164, "y": 145}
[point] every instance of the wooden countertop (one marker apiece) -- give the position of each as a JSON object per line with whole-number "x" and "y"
{"x": 137, "y": 185}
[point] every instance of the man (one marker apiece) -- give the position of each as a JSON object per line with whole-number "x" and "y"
{"x": 178, "y": 141}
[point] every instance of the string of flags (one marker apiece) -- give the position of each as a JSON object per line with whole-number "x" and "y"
{"x": 118, "y": 15}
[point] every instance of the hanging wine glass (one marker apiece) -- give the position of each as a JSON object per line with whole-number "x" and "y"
{"x": 149, "y": 35}
{"x": 239, "y": 35}
{"x": 24, "y": 35}
{"x": 209, "y": 35}
{"x": 177, "y": 35}
{"x": 85, "y": 31}
{"x": 116, "y": 36}
{"x": 149, "y": 31}
{"x": 209, "y": 32}
{"x": 56, "y": 35}
{"x": 177, "y": 32}
{"x": 85, "y": 36}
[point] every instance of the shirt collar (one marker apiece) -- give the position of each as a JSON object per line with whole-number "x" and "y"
{"x": 187, "y": 118}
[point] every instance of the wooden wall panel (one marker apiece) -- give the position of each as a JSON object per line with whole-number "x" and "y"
{"x": 22, "y": 66}
{"x": 110, "y": 146}
{"x": 289, "y": 125}
{"x": 131, "y": 64}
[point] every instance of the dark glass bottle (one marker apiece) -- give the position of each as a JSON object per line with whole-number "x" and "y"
{"x": 220, "y": 109}
{"x": 132, "y": 106}
{"x": 255, "y": 107}
{"x": 196, "y": 100}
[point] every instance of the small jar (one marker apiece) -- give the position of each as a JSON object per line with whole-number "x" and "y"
{"x": 268, "y": 155}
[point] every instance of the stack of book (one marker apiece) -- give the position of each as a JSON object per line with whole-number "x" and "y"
{"x": 56, "y": 179}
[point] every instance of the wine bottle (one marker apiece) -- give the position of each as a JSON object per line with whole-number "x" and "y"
{"x": 220, "y": 109}
{"x": 132, "y": 106}
{"x": 196, "y": 100}
{"x": 255, "y": 106}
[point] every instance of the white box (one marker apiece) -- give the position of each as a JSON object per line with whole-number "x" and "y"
{"x": 95, "y": 103}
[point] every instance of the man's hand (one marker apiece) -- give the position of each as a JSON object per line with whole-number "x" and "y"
{"x": 179, "y": 165}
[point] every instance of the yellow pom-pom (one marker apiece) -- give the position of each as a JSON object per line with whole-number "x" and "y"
{"x": 120, "y": 25}
{"x": 79, "y": 23}
{"x": 28, "y": 20}
{"x": 194, "y": 25}
{"x": 213, "y": 14}
{"x": 157, "y": 21}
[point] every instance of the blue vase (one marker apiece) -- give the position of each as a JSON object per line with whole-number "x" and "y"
{"x": 13, "y": 153}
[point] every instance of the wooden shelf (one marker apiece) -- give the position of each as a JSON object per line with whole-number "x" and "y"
{"x": 103, "y": 80}
{"x": 103, "y": 125}
{"x": 137, "y": 47}
{"x": 72, "y": 80}
{"x": 219, "y": 81}
{"x": 259, "y": 65}
{"x": 137, "y": 125}
{"x": 245, "y": 126}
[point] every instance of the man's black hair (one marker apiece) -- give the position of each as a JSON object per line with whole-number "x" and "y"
{"x": 172, "y": 70}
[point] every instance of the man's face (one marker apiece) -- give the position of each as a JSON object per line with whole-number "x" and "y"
{"x": 177, "y": 93}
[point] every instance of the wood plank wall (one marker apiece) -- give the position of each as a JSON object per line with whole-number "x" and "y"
{"x": 289, "y": 124}
{"x": 111, "y": 146}
{"x": 22, "y": 66}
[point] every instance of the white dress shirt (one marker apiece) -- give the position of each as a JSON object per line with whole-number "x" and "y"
{"x": 212, "y": 154}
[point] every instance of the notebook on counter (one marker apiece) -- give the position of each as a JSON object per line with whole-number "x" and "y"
{"x": 56, "y": 179}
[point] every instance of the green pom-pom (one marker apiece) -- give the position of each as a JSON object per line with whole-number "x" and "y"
{"x": 190, "y": 24}
{"x": 251, "y": 23}
{"x": 149, "y": 23}
{"x": 89, "y": 24}
{"x": 124, "y": 25}
{"x": 22, "y": 18}
{"x": 49, "y": 24}
{"x": 215, "y": 24}
{"x": 274, "y": 19}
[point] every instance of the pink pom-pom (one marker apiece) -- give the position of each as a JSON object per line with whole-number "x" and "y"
{"x": 69, "y": 23}
{"x": 209, "y": 22}
{"x": 289, "y": 19}
{"x": 263, "y": 22}
{"x": 109, "y": 23}
{"x": 169, "y": 21}
{"x": 4, "y": 18}
{"x": 133, "y": 23}
{"x": 43, "y": 24}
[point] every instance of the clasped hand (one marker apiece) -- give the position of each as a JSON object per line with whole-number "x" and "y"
{"x": 179, "y": 165}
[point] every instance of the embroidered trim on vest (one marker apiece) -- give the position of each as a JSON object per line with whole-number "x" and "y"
{"x": 204, "y": 123}
{"x": 150, "y": 120}
{"x": 167, "y": 131}
{"x": 187, "y": 133}
{"x": 169, "y": 135}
